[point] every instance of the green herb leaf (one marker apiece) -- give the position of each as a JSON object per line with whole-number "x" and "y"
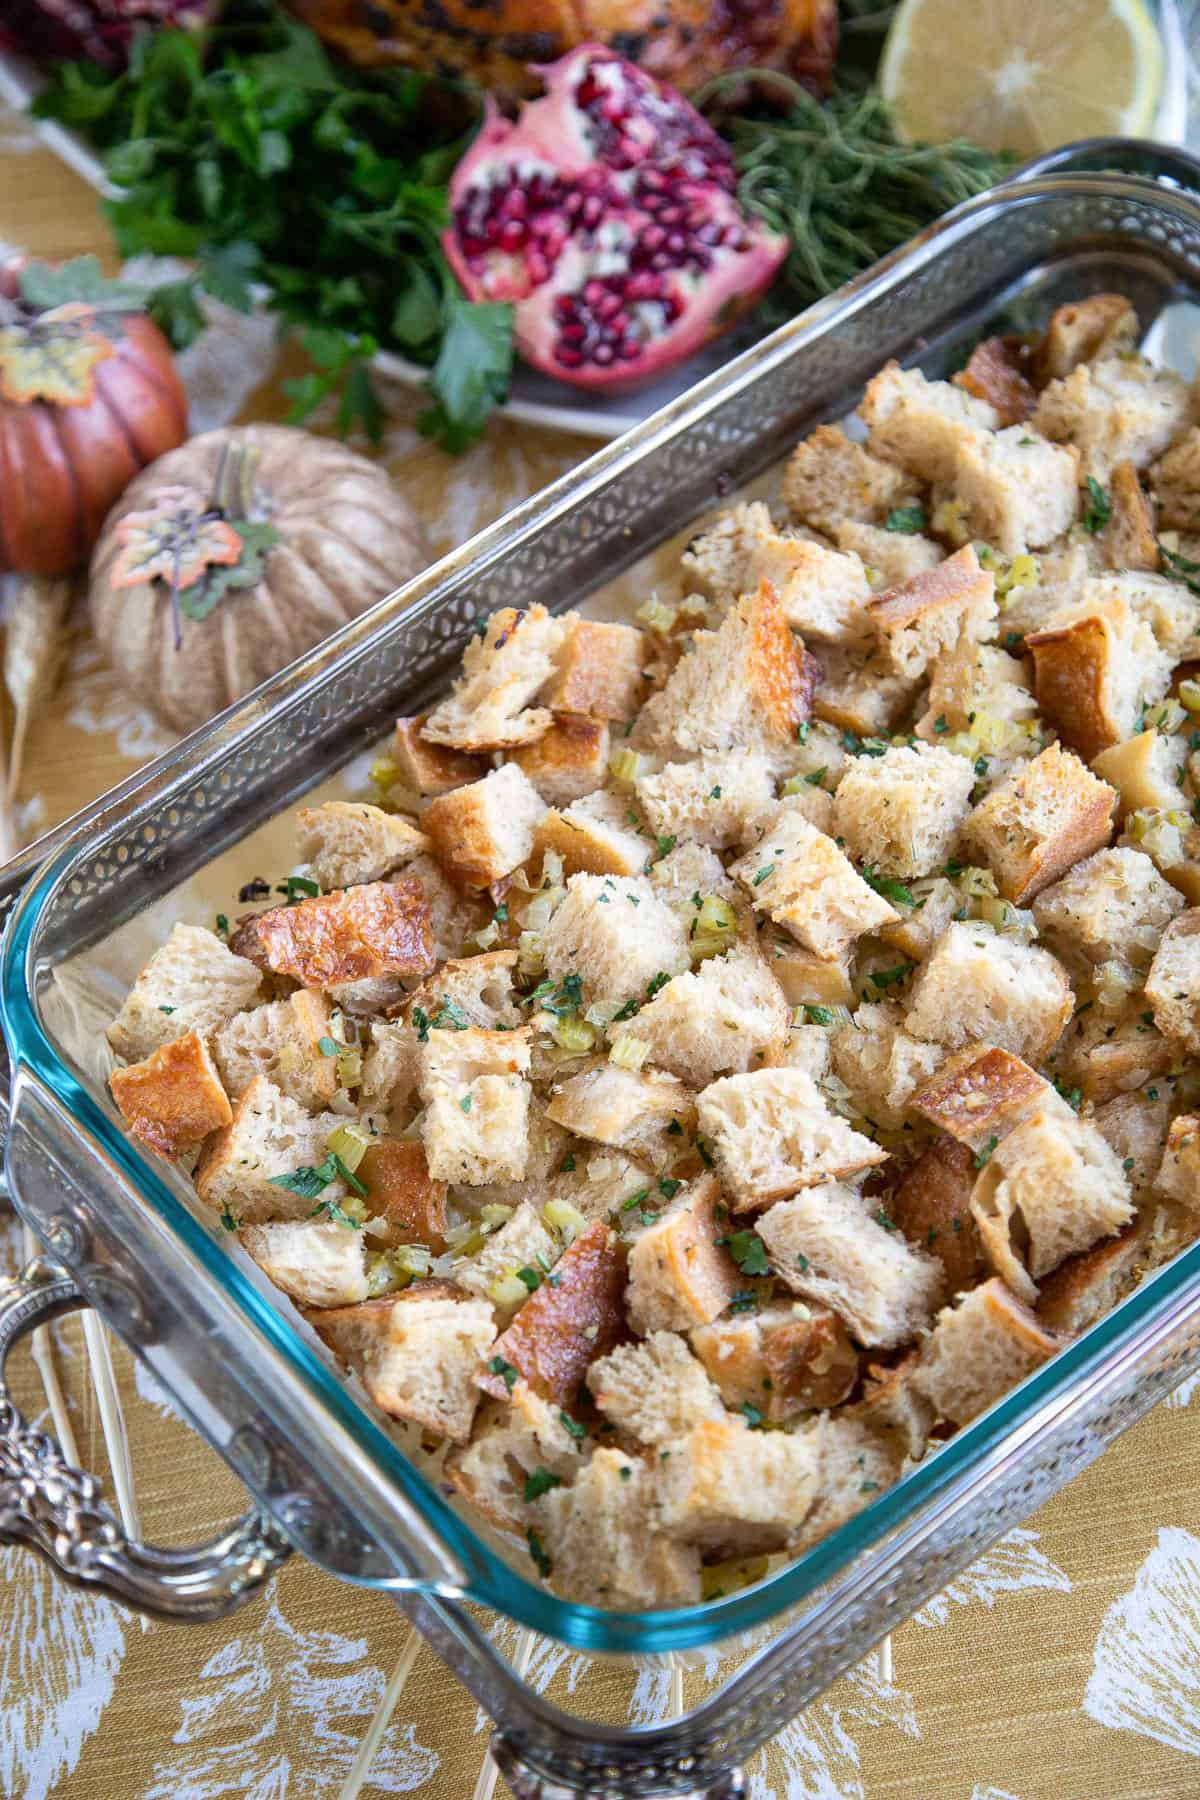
{"x": 420, "y": 1019}
{"x": 984, "y": 1154}
{"x": 539, "y": 1483}
{"x": 329, "y": 1046}
{"x": 905, "y": 519}
{"x": 530, "y": 1277}
{"x": 890, "y": 889}
{"x": 577, "y": 1431}
{"x": 308, "y": 1181}
{"x": 818, "y": 1015}
{"x": 754, "y": 1419}
{"x": 1099, "y": 509}
{"x": 507, "y": 1372}
{"x": 472, "y": 371}
{"x": 298, "y": 887}
{"x": 886, "y": 978}
{"x": 748, "y": 1252}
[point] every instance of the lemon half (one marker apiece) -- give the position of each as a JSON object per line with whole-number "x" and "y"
{"x": 1019, "y": 75}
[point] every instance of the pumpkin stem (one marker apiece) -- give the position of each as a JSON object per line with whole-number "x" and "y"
{"x": 233, "y": 484}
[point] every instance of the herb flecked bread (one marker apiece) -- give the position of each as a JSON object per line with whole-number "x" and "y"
{"x": 737, "y": 1047}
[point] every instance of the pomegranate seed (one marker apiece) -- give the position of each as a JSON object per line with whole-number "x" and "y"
{"x": 570, "y": 359}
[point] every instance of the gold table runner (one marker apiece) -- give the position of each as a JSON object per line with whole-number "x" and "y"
{"x": 1064, "y": 1666}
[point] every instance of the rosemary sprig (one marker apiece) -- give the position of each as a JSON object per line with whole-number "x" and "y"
{"x": 834, "y": 176}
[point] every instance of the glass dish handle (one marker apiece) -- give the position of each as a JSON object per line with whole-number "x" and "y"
{"x": 58, "y": 1510}
{"x": 527, "y": 1783}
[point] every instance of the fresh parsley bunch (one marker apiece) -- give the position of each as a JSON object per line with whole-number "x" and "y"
{"x": 293, "y": 179}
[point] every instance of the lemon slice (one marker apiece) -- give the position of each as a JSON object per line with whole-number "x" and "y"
{"x": 1018, "y": 75}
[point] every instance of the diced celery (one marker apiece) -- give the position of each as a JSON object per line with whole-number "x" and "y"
{"x": 626, "y": 766}
{"x": 628, "y": 1052}
{"x": 565, "y": 1220}
{"x": 508, "y": 1291}
{"x": 574, "y": 1034}
{"x": 383, "y": 1277}
{"x": 350, "y": 1142}
{"x": 412, "y": 1259}
{"x": 492, "y": 1217}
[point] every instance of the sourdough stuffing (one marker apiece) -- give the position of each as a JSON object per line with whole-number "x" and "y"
{"x": 740, "y": 1034}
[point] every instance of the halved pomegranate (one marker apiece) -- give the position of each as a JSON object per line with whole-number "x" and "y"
{"x": 607, "y": 213}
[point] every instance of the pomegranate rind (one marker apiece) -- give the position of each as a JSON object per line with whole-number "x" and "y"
{"x": 606, "y": 213}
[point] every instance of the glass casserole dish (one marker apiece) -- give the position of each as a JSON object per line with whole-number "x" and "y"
{"x": 132, "y": 1240}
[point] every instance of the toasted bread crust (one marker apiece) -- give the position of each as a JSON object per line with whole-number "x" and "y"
{"x": 981, "y": 1093}
{"x": 431, "y": 768}
{"x": 354, "y": 934}
{"x": 1083, "y": 330}
{"x": 995, "y": 373}
{"x": 599, "y": 671}
{"x": 403, "y": 1193}
{"x": 1131, "y": 540}
{"x": 932, "y": 1207}
{"x": 1085, "y": 1287}
{"x": 1072, "y": 676}
{"x": 562, "y": 1328}
{"x": 174, "y": 1098}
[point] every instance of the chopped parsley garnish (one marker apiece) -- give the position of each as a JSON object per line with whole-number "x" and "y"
{"x": 464, "y": 1104}
{"x": 981, "y": 766}
{"x": 762, "y": 874}
{"x": 1098, "y": 511}
{"x": 715, "y": 793}
{"x": 656, "y": 981}
{"x": 745, "y": 1301}
{"x": 166, "y": 1009}
{"x": 420, "y": 1019}
{"x": 297, "y": 887}
{"x": 567, "y": 997}
{"x": 889, "y": 888}
{"x": 1072, "y": 1096}
{"x": 308, "y": 1182}
{"x": 817, "y": 776}
{"x": 868, "y": 746}
{"x": 674, "y": 1129}
{"x": 818, "y": 1015}
{"x": 953, "y": 868}
{"x": 802, "y": 731}
{"x": 505, "y": 1370}
{"x": 881, "y": 1218}
{"x": 500, "y": 916}
{"x": 666, "y": 844}
{"x": 329, "y": 1046}
{"x": 1127, "y": 1164}
{"x": 905, "y": 519}
{"x": 748, "y": 1252}
{"x": 1183, "y": 566}
{"x": 228, "y": 1220}
{"x": 754, "y": 1419}
{"x": 537, "y": 1550}
{"x": 222, "y": 925}
{"x": 335, "y": 1214}
{"x": 627, "y": 1011}
{"x": 668, "y": 1186}
{"x": 868, "y": 1487}
{"x": 577, "y": 1431}
{"x": 635, "y": 1199}
{"x": 802, "y": 1263}
{"x": 983, "y": 1155}
{"x": 450, "y": 1017}
{"x": 704, "y": 1153}
{"x": 886, "y": 978}
{"x": 567, "y": 1165}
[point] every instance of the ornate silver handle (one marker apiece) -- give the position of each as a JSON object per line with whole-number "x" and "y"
{"x": 59, "y": 1512}
{"x": 527, "y": 1784}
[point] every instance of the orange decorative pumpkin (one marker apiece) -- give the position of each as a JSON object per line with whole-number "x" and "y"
{"x": 89, "y": 394}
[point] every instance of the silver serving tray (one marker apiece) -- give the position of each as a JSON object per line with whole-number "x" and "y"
{"x": 131, "y": 1240}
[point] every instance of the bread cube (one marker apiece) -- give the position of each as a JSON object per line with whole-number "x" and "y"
{"x": 857, "y": 696}
{"x": 594, "y": 836}
{"x": 882, "y": 1065}
{"x": 825, "y": 595}
{"x": 738, "y": 550}
{"x": 931, "y": 1205}
{"x": 476, "y": 1104}
{"x": 920, "y": 424}
{"x": 654, "y": 1391}
{"x": 426, "y": 768}
{"x": 799, "y": 878}
{"x": 806, "y": 980}
{"x": 1175, "y": 481}
{"x": 715, "y": 1019}
{"x": 571, "y": 760}
{"x": 358, "y": 934}
{"x": 1092, "y": 330}
{"x": 978, "y": 685}
{"x": 1173, "y": 984}
{"x": 679, "y": 1276}
{"x": 1143, "y": 772}
{"x": 391, "y": 1066}
{"x": 456, "y": 915}
{"x": 1095, "y": 664}
{"x": 687, "y": 871}
{"x": 889, "y": 557}
{"x": 474, "y": 989}
{"x": 173, "y": 1099}
{"x": 829, "y": 477}
{"x": 1117, "y": 410}
{"x": 483, "y": 832}
{"x": 567, "y": 1324}
{"x": 604, "y": 1545}
{"x": 1178, "y": 1176}
{"x": 1050, "y": 1188}
{"x": 916, "y": 621}
{"x": 1135, "y": 1127}
{"x": 1020, "y": 491}
{"x": 733, "y": 1490}
{"x": 268, "y": 1136}
{"x": 316, "y": 1263}
{"x": 901, "y": 812}
{"x": 838, "y": 1249}
{"x": 599, "y": 670}
{"x": 1106, "y": 906}
{"x": 1163, "y": 603}
{"x": 1042, "y": 819}
{"x": 1131, "y": 535}
{"x": 282, "y": 1039}
{"x": 511, "y": 1440}
{"x": 979, "y": 1349}
{"x": 915, "y": 933}
{"x": 980, "y": 1094}
{"x": 714, "y": 800}
{"x": 417, "y": 1353}
{"x": 772, "y": 1132}
{"x": 1109, "y": 1053}
{"x": 1085, "y": 1287}
{"x": 995, "y": 372}
{"x": 347, "y": 841}
{"x": 407, "y": 1204}
{"x": 978, "y": 987}
{"x": 781, "y": 1359}
{"x": 193, "y": 983}
{"x": 645, "y": 1113}
{"x": 745, "y": 686}
{"x": 522, "y": 1242}
{"x": 616, "y": 935}
{"x": 806, "y": 1047}
{"x": 489, "y": 706}
{"x": 855, "y": 1465}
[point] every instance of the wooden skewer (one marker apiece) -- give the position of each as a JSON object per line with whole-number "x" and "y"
{"x": 42, "y": 1347}
{"x": 677, "y": 1691}
{"x": 373, "y": 1737}
{"x": 883, "y": 1658}
{"x": 485, "y": 1787}
{"x": 112, "y": 1423}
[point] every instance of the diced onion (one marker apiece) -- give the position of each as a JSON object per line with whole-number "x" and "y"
{"x": 628, "y": 1052}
